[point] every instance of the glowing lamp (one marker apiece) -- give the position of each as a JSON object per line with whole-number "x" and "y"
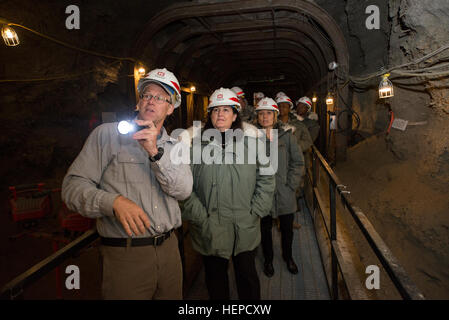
{"x": 329, "y": 99}
{"x": 385, "y": 87}
{"x": 10, "y": 36}
{"x": 141, "y": 71}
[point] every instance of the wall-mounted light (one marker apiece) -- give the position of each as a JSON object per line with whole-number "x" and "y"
{"x": 192, "y": 89}
{"x": 329, "y": 99}
{"x": 333, "y": 65}
{"x": 314, "y": 98}
{"x": 141, "y": 71}
{"x": 385, "y": 87}
{"x": 10, "y": 36}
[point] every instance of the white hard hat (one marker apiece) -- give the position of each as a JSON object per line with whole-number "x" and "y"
{"x": 267, "y": 104}
{"x": 284, "y": 98}
{"x": 238, "y": 91}
{"x": 259, "y": 95}
{"x": 306, "y": 101}
{"x": 224, "y": 97}
{"x": 164, "y": 78}
{"x": 280, "y": 94}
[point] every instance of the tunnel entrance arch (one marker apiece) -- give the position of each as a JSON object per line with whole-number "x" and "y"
{"x": 209, "y": 43}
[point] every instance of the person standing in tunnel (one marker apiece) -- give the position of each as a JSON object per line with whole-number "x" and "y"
{"x": 288, "y": 177}
{"x": 300, "y": 132}
{"x": 286, "y": 117}
{"x": 257, "y": 96}
{"x": 308, "y": 118}
{"x": 247, "y": 113}
{"x": 131, "y": 186}
{"x": 227, "y": 202}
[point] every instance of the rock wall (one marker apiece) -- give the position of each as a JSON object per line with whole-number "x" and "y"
{"x": 401, "y": 182}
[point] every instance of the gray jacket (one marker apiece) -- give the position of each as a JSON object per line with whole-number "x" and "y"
{"x": 248, "y": 114}
{"x": 300, "y": 132}
{"x": 111, "y": 164}
{"x": 289, "y": 174}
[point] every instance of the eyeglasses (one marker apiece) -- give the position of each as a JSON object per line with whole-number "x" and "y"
{"x": 157, "y": 99}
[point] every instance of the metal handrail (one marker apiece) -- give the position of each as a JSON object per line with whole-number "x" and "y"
{"x": 14, "y": 288}
{"x": 405, "y": 286}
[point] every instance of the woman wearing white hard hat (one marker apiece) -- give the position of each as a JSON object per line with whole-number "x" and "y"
{"x": 226, "y": 204}
{"x": 288, "y": 177}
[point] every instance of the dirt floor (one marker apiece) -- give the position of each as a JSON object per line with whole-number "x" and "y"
{"x": 407, "y": 209}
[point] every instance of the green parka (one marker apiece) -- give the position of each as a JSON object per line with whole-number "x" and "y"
{"x": 227, "y": 202}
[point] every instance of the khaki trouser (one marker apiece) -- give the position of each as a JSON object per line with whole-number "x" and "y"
{"x": 140, "y": 273}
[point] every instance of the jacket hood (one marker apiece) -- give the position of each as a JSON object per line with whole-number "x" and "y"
{"x": 187, "y": 135}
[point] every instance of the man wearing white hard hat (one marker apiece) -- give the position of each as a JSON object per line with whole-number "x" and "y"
{"x": 288, "y": 118}
{"x": 129, "y": 184}
{"x": 306, "y": 116}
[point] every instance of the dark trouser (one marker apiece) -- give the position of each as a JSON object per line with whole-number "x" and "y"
{"x": 286, "y": 222}
{"x": 216, "y": 269}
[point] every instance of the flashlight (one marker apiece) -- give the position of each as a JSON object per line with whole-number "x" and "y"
{"x": 125, "y": 127}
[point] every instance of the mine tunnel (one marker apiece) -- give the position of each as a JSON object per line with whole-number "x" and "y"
{"x": 375, "y": 186}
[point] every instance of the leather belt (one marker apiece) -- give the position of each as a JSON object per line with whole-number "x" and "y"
{"x": 136, "y": 242}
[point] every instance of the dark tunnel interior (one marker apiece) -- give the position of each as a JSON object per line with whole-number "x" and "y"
{"x": 391, "y": 155}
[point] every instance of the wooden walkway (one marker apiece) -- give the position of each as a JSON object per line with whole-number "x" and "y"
{"x": 310, "y": 282}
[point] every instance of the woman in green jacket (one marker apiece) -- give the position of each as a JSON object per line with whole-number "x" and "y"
{"x": 288, "y": 177}
{"x": 227, "y": 202}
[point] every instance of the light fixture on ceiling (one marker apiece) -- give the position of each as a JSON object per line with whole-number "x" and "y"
{"x": 192, "y": 89}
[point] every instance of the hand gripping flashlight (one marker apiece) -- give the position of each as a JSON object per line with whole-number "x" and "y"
{"x": 126, "y": 126}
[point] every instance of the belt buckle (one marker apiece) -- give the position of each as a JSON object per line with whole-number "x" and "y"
{"x": 158, "y": 240}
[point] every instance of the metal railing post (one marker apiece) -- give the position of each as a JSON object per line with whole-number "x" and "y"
{"x": 314, "y": 180}
{"x": 333, "y": 222}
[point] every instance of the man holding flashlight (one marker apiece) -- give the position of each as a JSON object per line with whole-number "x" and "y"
{"x": 128, "y": 183}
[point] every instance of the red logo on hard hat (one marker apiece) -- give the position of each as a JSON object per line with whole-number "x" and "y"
{"x": 161, "y": 74}
{"x": 264, "y": 103}
{"x": 176, "y": 85}
{"x": 234, "y": 99}
{"x": 220, "y": 96}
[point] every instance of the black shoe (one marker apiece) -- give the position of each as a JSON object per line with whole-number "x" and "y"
{"x": 291, "y": 266}
{"x": 268, "y": 269}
